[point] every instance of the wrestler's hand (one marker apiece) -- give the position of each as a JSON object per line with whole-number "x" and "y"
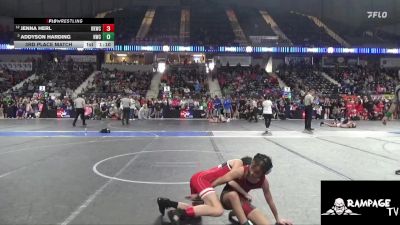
{"x": 284, "y": 222}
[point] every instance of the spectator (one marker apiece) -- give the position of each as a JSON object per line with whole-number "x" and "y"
{"x": 143, "y": 113}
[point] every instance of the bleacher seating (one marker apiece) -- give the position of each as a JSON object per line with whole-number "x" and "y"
{"x": 210, "y": 26}
{"x": 181, "y": 78}
{"x": 120, "y": 82}
{"x": 127, "y": 24}
{"x": 362, "y": 36}
{"x": 364, "y": 80}
{"x": 247, "y": 81}
{"x": 9, "y": 78}
{"x": 302, "y": 31}
{"x": 252, "y": 22}
{"x": 62, "y": 77}
{"x": 302, "y": 77}
{"x": 165, "y": 26}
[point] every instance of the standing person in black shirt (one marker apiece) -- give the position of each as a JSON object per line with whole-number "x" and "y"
{"x": 369, "y": 105}
{"x": 157, "y": 108}
{"x": 308, "y": 104}
{"x": 150, "y": 106}
{"x": 242, "y": 108}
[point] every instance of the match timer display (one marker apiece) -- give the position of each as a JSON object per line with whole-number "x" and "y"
{"x": 64, "y": 33}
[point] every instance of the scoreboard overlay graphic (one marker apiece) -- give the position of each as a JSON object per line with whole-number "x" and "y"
{"x": 64, "y": 33}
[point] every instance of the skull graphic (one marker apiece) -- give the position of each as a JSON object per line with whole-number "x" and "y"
{"x": 339, "y": 206}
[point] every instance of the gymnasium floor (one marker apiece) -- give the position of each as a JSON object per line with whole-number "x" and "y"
{"x": 53, "y": 173}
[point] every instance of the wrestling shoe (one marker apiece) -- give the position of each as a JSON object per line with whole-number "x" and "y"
{"x": 162, "y": 205}
{"x": 308, "y": 131}
{"x": 232, "y": 218}
{"x": 175, "y": 216}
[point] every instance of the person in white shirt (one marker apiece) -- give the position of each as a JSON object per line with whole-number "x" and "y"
{"x": 79, "y": 109}
{"x": 143, "y": 112}
{"x": 134, "y": 108}
{"x": 184, "y": 103}
{"x": 126, "y": 107}
{"x": 267, "y": 112}
{"x": 186, "y": 90}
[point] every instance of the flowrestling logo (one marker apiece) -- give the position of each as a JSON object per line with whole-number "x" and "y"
{"x": 377, "y": 14}
{"x": 360, "y": 202}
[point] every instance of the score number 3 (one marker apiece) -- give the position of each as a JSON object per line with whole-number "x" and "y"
{"x": 108, "y": 27}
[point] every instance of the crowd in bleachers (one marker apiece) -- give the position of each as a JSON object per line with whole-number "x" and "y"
{"x": 364, "y": 79}
{"x": 247, "y": 81}
{"x": 115, "y": 82}
{"x": 61, "y": 77}
{"x": 14, "y": 71}
{"x": 301, "y": 76}
{"x": 9, "y": 78}
{"x": 355, "y": 107}
{"x": 359, "y": 94}
{"x": 185, "y": 82}
{"x": 24, "y": 107}
{"x": 242, "y": 91}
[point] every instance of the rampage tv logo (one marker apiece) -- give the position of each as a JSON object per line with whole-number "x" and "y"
{"x": 340, "y": 208}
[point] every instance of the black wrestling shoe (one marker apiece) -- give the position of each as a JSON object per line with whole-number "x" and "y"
{"x": 175, "y": 216}
{"x": 308, "y": 131}
{"x": 248, "y": 222}
{"x": 162, "y": 205}
{"x": 232, "y": 218}
{"x": 397, "y": 172}
{"x": 320, "y": 124}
